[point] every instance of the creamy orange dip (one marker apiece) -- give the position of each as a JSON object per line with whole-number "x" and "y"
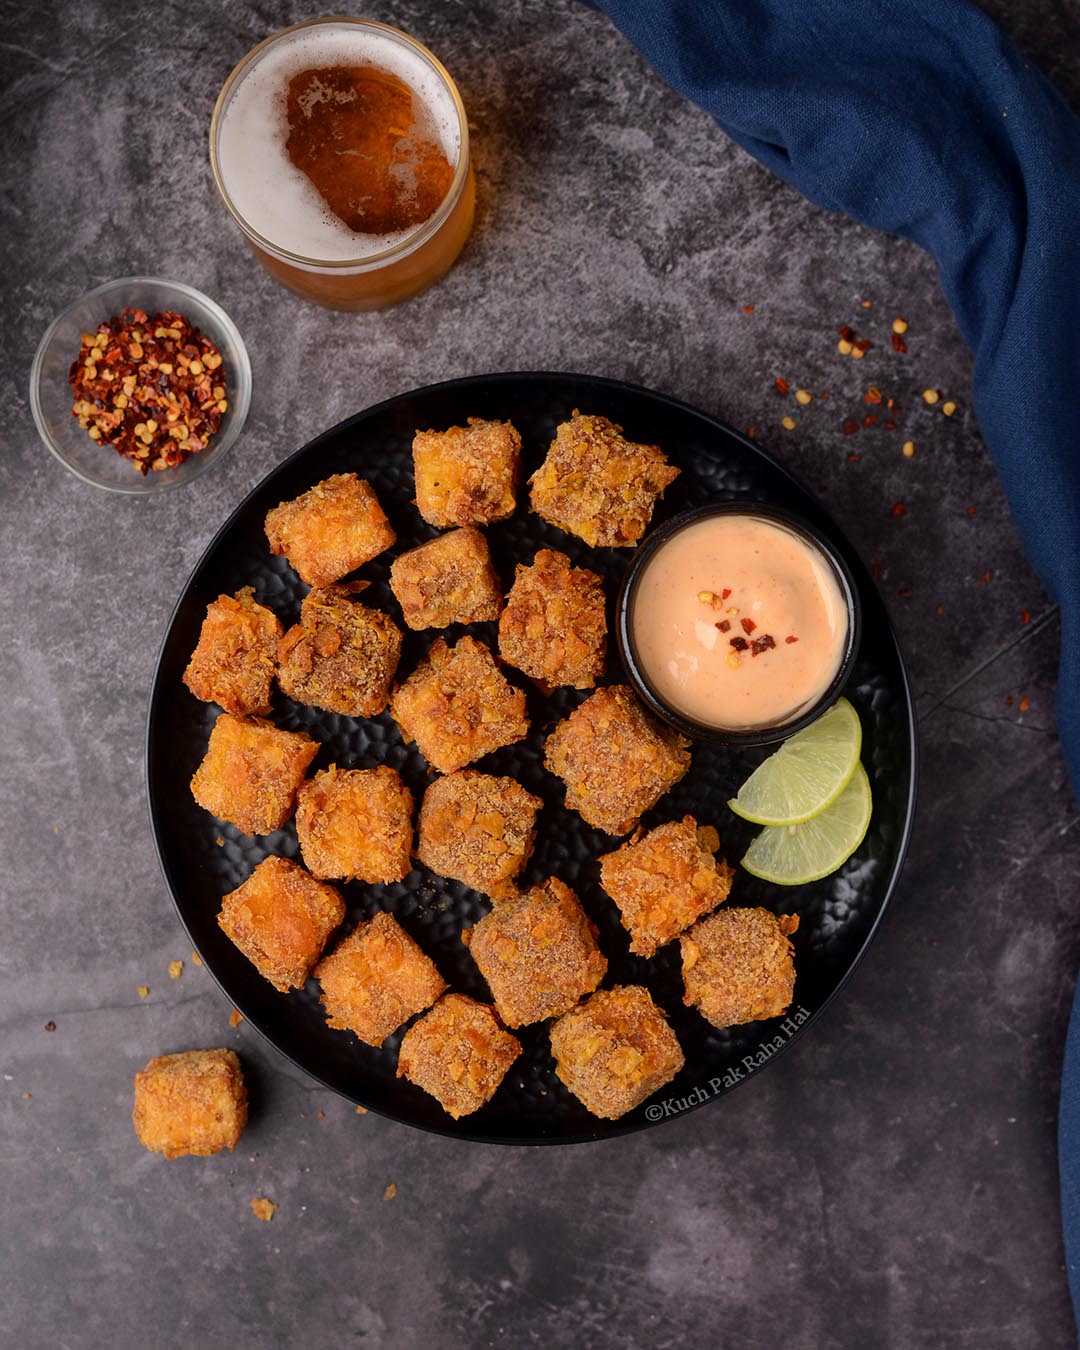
{"x": 737, "y": 622}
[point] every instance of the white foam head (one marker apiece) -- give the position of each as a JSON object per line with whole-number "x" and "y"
{"x": 272, "y": 196}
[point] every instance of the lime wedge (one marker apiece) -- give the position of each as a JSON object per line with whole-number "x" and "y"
{"x": 793, "y": 854}
{"x": 808, "y": 772}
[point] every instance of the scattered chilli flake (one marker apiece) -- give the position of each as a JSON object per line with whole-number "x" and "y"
{"x": 1025, "y": 616}
{"x": 50, "y": 1025}
{"x": 850, "y": 427}
{"x": 724, "y": 625}
{"x": 890, "y": 426}
{"x": 854, "y": 457}
{"x": 748, "y": 309}
{"x": 751, "y": 431}
{"x": 873, "y": 395}
{"x": 739, "y": 643}
{"x": 971, "y": 511}
{"x": 870, "y": 420}
{"x": 791, "y": 638}
{"x": 781, "y": 385}
{"x": 897, "y": 343}
{"x": 748, "y": 626}
{"x": 235, "y": 1018}
{"x": 1024, "y": 704}
{"x": 1008, "y": 700}
{"x": 390, "y": 1191}
{"x": 898, "y": 509}
{"x": 904, "y": 592}
{"x": 725, "y": 593}
{"x": 361, "y": 1110}
{"x": 762, "y": 644}
{"x": 986, "y": 578}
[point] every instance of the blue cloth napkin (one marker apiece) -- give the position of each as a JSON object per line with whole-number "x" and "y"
{"x": 922, "y": 119}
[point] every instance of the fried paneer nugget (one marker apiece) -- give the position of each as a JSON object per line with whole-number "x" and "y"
{"x": 331, "y": 529}
{"x": 375, "y": 979}
{"x": 616, "y": 760}
{"x": 554, "y": 627}
{"x": 459, "y": 1053}
{"x": 448, "y": 580}
{"x": 281, "y": 919}
{"x": 356, "y": 825}
{"x": 598, "y": 485}
{"x": 538, "y": 953}
{"x": 737, "y": 965}
{"x": 665, "y": 880}
{"x": 478, "y": 829}
{"x": 251, "y": 771}
{"x": 457, "y": 705}
{"x": 614, "y": 1050}
{"x": 190, "y": 1103}
{"x": 341, "y": 656}
{"x": 467, "y": 475}
{"x": 233, "y": 663}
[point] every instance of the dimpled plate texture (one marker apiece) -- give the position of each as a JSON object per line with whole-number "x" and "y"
{"x": 203, "y": 858}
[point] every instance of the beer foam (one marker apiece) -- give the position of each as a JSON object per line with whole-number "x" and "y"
{"x": 274, "y": 197}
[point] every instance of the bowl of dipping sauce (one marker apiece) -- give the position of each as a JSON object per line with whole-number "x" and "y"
{"x": 738, "y": 623}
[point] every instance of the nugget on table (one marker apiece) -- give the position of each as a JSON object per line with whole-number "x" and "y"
{"x": 616, "y": 760}
{"x": 251, "y": 771}
{"x": 538, "y": 953}
{"x": 467, "y": 475}
{"x": 598, "y": 485}
{"x": 331, "y": 529}
{"x": 457, "y": 705}
{"x": 234, "y": 661}
{"x": 458, "y": 1052}
{"x": 281, "y": 919}
{"x": 356, "y": 825}
{"x": 738, "y": 967}
{"x": 376, "y": 979}
{"x": 448, "y": 580}
{"x": 193, "y": 1103}
{"x": 665, "y": 880}
{"x": 614, "y": 1050}
{"x": 342, "y": 654}
{"x": 554, "y": 627}
{"x": 477, "y": 828}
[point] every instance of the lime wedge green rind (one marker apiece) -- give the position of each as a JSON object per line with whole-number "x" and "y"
{"x": 791, "y": 855}
{"x": 808, "y": 772}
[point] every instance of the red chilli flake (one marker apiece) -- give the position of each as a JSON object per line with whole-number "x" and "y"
{"x": 791, "y": 638}
{"x": 897, "y": 342}
{"x": 873, "y": 395}
{"x": 847, "y": 333}
{"x": 724, "y": 625}
{"x": 725, "y": 593}
{"x": 748, "y": 309}
{"x": 870, "y": 420}
{"x": 854, "y": 458}
{"x": 904, "y": 592}
{"x": 850, "y": 427}
{"x": 971, "y": 511}
{"x": 762, "y": 644}
{"x": 1025, "y": 616}
{"x": 748, "y": 626}
{"x": 1024, "y": 704}
{"x": 781, "y": 385}
{"x": 824, "y": 394}
{"x": 986, "y": 578}
{"x": 1008, "y": 700}
{"x": 898, "y": 509}
{"x": 751, "y": 431}
{"x": 739, "y": 643}
{"x": 890, "y": 426}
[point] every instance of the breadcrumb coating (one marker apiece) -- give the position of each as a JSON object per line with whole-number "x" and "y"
{"x": 234, "y": 661}
{"x": 614, "y": 1050}
{"x": 192, "y": 1103}
{"x": 334, "y": 527}
{"x": 448, "y": 580}
{"x": 356, "y": 825}
{"x": 738, "y": 967}
{"x": 251, "y": 772}
{"x": 459, "y": 1053}
{"x": 477, "y": 829}
{"x": 467, "y": 475}
{"x": 554, "y": 626}
{"x": 615, "y": 759}
{"x": 598, "y": 485}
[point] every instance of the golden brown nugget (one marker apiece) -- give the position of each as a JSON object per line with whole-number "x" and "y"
{"x": 190, "y": 1103}
{"x": 458, "y": 706}
{"x": 448, "y": 580}
{"x": 467, "y": 475}
{"x": 281, "y": 919}
{"x": 614, "y": 1050}
{"x": 478, "y": 829}
{"x": 554, "y": 627}
{"x": 356, "y": 825}
{"x": 598, "y": 485}
{"x": 665, "y": 880}
{"x": 342, "y": 655}
{"x": 615, "y": 759}
{"x": 251, "y": 771}
{"x": 737, "y": 966}
{"x": 375, "y": 979}
{"x": 233, "y": 663}
{"x": 538, "y": 953}
{"x": 331, "y": 529}
{"x": 459, "y": 1053}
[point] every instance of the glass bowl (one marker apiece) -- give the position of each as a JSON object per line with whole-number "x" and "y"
{"x": 51, "y": 395}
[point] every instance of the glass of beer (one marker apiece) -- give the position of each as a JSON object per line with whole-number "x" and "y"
{"x": 341, "y": 148}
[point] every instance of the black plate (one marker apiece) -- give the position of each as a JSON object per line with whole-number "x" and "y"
{"x": 203, "y": 858}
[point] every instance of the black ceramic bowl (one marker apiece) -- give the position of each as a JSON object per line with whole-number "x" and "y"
{"x": 701, "y": 731}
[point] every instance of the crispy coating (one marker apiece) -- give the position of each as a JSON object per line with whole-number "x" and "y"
{"x": 459, "y": 1053}
{"x": 614, "y": 1050}
{"x": 478, "y": 829}
{"x": 375, "y": 979}
{"x": 448, "y": 580}
{"x": 615, "y": 759}
{"x": 331, "y": 529}
{"x": 190, "y": 1103}
{"x": 554, "y": 627}
{"x": 467, "y": 475}
{"x": 665, "y": 880}
{"x": 342, "y": 655}
{"x": 457, "y": 705}
{"x": 251, "y": 772}
{"x": 233, "y": 663}
{"x": 281, "y": 919}
{"x": 356, "y": 825}
{"x": 596, "y": 484}
{"x": 738, "y": 967}
{"x": 538, "y": 953}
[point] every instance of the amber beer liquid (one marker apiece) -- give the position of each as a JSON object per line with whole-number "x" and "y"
{"x": 341, "y": 148}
